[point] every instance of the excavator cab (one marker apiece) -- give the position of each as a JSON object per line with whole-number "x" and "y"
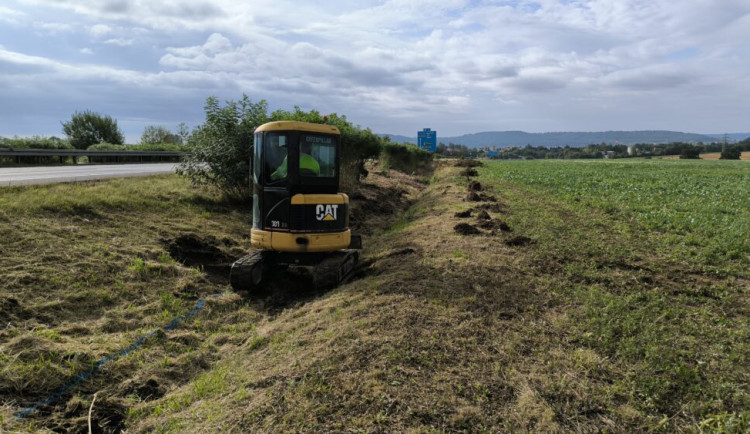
{"x": 300, "y": 219}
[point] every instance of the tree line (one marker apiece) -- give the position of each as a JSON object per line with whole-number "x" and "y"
{"x": 219, "y": 150}
{"x": 603, "y": 150}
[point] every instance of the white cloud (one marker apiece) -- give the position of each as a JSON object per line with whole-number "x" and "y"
{"x": 120, "y": 42}
{"x": 10, "y": 16}
{"x": 52, "y": 28}
{"x": 456, "y": 60}
{"x": 100, "y": 30}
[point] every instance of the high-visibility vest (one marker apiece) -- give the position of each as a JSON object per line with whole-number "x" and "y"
{"x": 306, "y": 162}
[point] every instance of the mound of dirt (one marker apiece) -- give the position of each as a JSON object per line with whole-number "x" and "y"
{"x": 192, "y": 250}
{"x": 491, "y": 207}
{"x": 463, "y": 214}
{"x": 483, "y": 215}
{"x": 473, "y": 196}
{"x": 475, "y": 186}
{"x": 494, "y": 224}
{"x": 518, "y": 240}
{"x": 469, "y": 163}
{"x": 466, "y": 229}
{"x": 146, "y": 391}
{"x": 469, "y": 172}
{"x": 11, "y": 309}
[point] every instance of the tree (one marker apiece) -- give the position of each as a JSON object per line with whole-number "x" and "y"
{"x": 89, "y": 128}
{"x": 184, "y": 132}
{"x": 156, "y": 135}
{"x": 690, "y": 153}
{"x": 731, "y": 153}
{"x": 220, "y": 149}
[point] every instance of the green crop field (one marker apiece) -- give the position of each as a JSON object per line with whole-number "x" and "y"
{"x": 651, "y": 260}
{"x": 700, "y": 210}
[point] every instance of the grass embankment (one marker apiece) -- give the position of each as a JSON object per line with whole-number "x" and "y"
{"x": 86, "y": 271}
{"x": 566, "y": 314}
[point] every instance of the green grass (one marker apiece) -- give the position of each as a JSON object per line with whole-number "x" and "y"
{"x": 651, "y": 258}
{"x": 699, "y": 209}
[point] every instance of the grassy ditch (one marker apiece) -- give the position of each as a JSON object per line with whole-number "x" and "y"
{"x": 89, "y": 268}
{"x": 498, "y": 305}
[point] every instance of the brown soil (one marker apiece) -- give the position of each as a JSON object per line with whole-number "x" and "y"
{"x": 483, "y": 215}
{"x": 475, "y": 186}
{"x": 519, "y": 240}
{"x": 473, "y": 196}
{"x": 466, "y": 229}
{"x": 192, "y": 249}
{"x": 494, "y": 224}
{"x": 468, "y": 163}
{"x": 463, "y": 214}
{"x": 373, "y": 202}
{"x": 491, "y": 207}
{"x": 469, "y": 172}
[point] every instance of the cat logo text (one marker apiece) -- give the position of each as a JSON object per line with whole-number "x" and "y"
{"x": 326, "y": 212}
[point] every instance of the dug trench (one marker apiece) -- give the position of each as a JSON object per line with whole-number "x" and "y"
{"x": 419, "y": 339}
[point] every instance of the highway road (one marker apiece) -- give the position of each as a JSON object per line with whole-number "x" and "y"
{"x": 52, "y": 174}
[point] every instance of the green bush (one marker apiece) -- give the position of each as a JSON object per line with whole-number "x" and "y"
{"x": 35, "y": 142}
{"x": 141, "y": 147}
{"x": 221, "y": 148}
{"x": 357, "y": 144}
{"x": 405, "y": 157}
{"x": 690, "y": 153}
{"x": 157, "y": 135}
{"x": 731, "y": 153}
{"x": 88, "y": 128}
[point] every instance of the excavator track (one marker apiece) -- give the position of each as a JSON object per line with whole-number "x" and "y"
{"x": 247, "y": 272}
{"x": 255, "y": 272}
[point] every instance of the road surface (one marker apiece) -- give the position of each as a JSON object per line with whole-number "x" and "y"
{"x": 52, "y": 174}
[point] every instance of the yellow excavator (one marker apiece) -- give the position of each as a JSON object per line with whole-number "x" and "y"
{"x": 300, "y": 219}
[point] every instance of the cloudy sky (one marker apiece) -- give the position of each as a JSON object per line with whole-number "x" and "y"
{"x": 396, "y": 66}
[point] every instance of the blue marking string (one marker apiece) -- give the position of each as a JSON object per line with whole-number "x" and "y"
{"x": 78, "y": 379}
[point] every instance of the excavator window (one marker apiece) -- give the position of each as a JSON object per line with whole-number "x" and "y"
{"x": 317, "y": 156}
{"x": 275, "y": 167}
{"x": 257, "y": 156}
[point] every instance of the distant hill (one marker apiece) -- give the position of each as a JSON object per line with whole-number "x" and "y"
{"x": 732, "y": 137}
{"x": 573, "y": 139}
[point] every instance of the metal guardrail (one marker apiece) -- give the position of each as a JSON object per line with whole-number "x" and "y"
{"x": 10, "y": 152}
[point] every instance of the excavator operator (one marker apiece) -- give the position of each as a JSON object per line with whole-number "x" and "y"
{"x": 307, "y": 164}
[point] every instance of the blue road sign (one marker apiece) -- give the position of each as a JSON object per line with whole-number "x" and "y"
{"x": 427, "y": 140}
